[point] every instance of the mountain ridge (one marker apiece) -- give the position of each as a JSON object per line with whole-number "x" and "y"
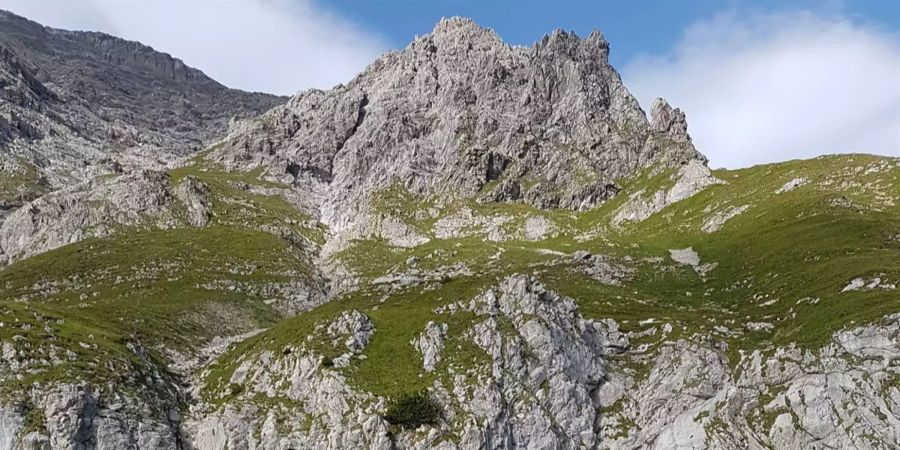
{"x": 469, "y": 245}
{"x": 87, "y": 103}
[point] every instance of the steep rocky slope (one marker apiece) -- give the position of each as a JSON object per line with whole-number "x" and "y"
{"x": 459, "y": 113}
{"x": 75, "y": 104}
{"x": 776, "y": 327}
{"x": 470, "y": 245}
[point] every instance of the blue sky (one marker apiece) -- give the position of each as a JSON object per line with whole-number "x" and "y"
{"x": 632, "y": 27}
{"x": 760, "y": 81}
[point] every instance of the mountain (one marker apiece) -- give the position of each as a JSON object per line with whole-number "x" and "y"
{"x": 459, "y": 113}
{"x": 78, "y": 104}
{"x": 469, "y": 245}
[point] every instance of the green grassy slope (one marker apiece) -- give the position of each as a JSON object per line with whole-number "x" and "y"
{"x": 116, "y": 308}
{"x": 784, "y": 262}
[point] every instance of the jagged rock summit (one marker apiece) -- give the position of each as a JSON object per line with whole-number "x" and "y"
{"x": 461, "y": 114}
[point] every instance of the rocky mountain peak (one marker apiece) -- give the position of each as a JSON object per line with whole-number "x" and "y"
{"x": 669, "y": 121}
{"x": 31, "y": 37}
{"x": 461, "y": 113}
{"x": 461, "y": 29}
{"x": 593, "y": 47}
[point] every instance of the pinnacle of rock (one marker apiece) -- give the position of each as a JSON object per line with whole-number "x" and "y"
{"x": 669, "y": 121}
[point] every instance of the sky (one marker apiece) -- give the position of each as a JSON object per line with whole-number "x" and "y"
{"x": 760, "y": 81}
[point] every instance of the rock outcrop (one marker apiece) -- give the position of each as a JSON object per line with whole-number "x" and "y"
{"x": 96, "y": 208}
{"x": 688, "y": 181}
{"x": 843, "y": 396}
{"x": 538, "y": 391}
{"x": 455, "y": 112}
{"x": 77, "y": 104}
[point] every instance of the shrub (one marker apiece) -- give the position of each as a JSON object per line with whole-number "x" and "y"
{"x": 235, "y": 389}
{"x": 411, "y": 410}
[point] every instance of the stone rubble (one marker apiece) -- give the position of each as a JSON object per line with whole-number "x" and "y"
{"x": 716, "y": 221}
{"x": 689, "y": 180}
{"x": 791, "y": 185}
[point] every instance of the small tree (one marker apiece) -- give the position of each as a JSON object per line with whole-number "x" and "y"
{"x": 412, "y": 410}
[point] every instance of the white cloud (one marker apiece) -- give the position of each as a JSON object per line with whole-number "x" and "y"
{"x": 278, "y": 46}
{"x": 771, "y": 87}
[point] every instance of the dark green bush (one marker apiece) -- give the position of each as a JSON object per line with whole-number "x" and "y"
{"x": 411, "y": 410}
{"x": 235, "y": 389}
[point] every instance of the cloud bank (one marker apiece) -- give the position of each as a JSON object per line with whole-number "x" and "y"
{"x": 277, "y": 46}
{"x": 771, "y": 87}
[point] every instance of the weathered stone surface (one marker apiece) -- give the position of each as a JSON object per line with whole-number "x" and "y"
{"x": 458, "y": 109}
{"x": 842, "y": 396}
{"x": 791, "y": 185}
{"x": 354, "y": 328}
{"x": 75, "y": 416}
{"x": 193, "y": 193}
{"x": 689, "y": 180}
{"x": 537, "y": 392}
{"x": 75, "y": 104}
{"x": 430, "y": 344}
{"x": 86, "y": 210}
{"x": 717, "y": 220}
{"x": 669, "y": 121}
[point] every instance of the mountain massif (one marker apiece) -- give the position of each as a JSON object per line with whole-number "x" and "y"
{"x": 469, "y": 245}
{"x": 76, "y": 105}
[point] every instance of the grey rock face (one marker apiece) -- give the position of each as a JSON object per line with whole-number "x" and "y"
{"x": 843, "y": 396}
{"x": 77, "y": 104}
{"x": 538, "y": 227}
{"x": 458, "y": 109}
{"x": 124, "y": 81}
{"x": 85, "y": 210}
{"x": 12, "y": 420}
{"x": 96, "y": 208}
{"x": 194, "y": 194}
{"x": 791, "y": 185}
{"x": 690, "y": 179}
{"x": 430, "y": 344}
{"x": 599, "y": 267}
{"x": 669, "y": 121}
{"x": 543, "y": 373}
{"x": 716, "y": 221}
{"x": 75, "y": 418}
{"x": 352, "y": 330}
{"x": 536, "y": 393}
